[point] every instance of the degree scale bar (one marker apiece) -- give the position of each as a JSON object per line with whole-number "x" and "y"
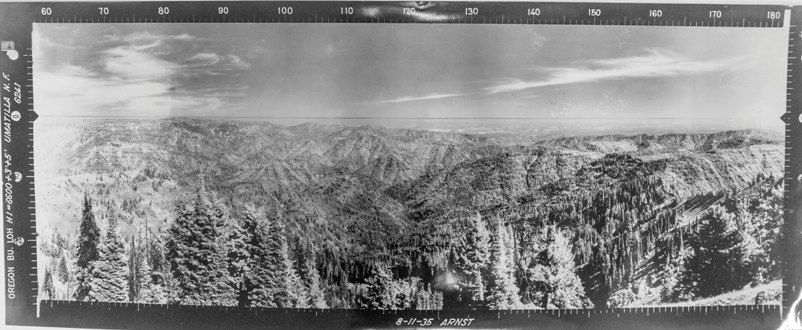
{"x": 412, "y": 12}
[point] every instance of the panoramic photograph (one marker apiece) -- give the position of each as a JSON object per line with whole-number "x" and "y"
{"x": 408, "y": 167}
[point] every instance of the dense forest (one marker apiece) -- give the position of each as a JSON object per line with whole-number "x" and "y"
{"x": 325, "y": 216}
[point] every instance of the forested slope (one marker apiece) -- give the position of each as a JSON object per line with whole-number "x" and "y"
{"x": 401, "y": 218}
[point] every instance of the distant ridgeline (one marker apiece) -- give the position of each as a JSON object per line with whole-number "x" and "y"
{"x": 325, "y": 216}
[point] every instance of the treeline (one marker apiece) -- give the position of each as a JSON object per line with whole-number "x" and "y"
{"x": 206, "y": 257}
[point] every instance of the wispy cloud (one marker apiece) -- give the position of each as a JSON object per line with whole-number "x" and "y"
{"x": 126, "y": 63}
{"x": 208, "y": 59}
{"x": 148, "y": 37}
{"x": 653, "y": 64}
{"x": 650, "y": 65}
{"x": 417, "y": 98}
{"x": 130, "y": 77}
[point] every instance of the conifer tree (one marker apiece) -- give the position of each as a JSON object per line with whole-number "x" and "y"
{"x": 197, "y": 253}
{"x": 717, "y": 263}
{"x": 240, "y": 249}
{"x": 292, "y": 293}
{"x": 425, "y": 299}
{"x": 313, "y": 291}
{"x": 48, "y": 290}
{"x": 502, "y": 291}
{"x": 260, "y": 262}
{"x": 472, "y": 255}
{"x": 158, "y": 262}
{"x": 149, "y": 292}
{"x": 63, "y": 271}
{"x": 269, "y": 276}
{"x": 134, "y": 265}
{"x": 141, "y": 285}
{"x": 109, "y": 274}
{"x": 550, "y": 274}
{"x": 88, "y": 241}
{"x": 378, "y": 294}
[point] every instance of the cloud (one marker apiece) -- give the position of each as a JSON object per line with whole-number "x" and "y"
{"x": 73, "y": 90}
{"x": 217, "y": 61}
{"x": 126, "y": 81}
{"x": 417, "y": 98}
{"x": 149, "y": 37}
{"x": 127, "y": 63}
{"x": 651, "y": 65}
{"x": 238, "y": 62}
{"x": 204, "y": 59}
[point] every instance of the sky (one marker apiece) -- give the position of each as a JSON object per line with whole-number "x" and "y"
{"x": 731, "y": 76}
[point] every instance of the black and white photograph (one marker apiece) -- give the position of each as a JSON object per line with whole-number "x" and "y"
{"x": 409, "y": 166}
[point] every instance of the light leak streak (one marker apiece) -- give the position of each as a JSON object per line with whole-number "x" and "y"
{"x": 791, "y": 321}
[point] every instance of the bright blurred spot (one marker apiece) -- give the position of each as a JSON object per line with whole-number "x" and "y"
{"x": 791, "y": 321}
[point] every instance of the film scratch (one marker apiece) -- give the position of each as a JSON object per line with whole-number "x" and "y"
{"x": 401, "y": 165}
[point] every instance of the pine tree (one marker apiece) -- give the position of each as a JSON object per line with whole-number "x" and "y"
{"x": 292, "y": 292}
{"x": 149, "y": 292}
{"x": 313, "y": 291}
{"x": 472, "y": 255}
{"x": 141, "y": 285}
{"x": 502, "y": 291}
{"x": 197, "y": 254}
{"x": 158, "y": 262}
{"x": 48, "y": 290}
{"x": 550, "y": 274}
{"x": 378, "y": 294}
{"x": 259, "y": 256}
{"x": 63, "y": 271}
{"x": 240, "y": 238}
{"x": 109, "y": 274}
{"x": 268, "y": 274}
{"x": 88, "y": 241}
{"x": 134, "y": 265}
{"x": 425, "y": 299}
{"x": 717, "y": 263}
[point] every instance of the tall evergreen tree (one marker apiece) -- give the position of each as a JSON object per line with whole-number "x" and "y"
{"x": 109, "y": 274}
{"x": 158, "y": 262}
{"x": 63, "y": 271}
{"x": 292, "y": 292}
{"x": 425, "y": 299}
{"x": 717, "y": 263}
{"x": 310, "y": 276}
{"x": 259, "y": 257}
{"x": 472, "y": 255}
{"x": 141, "y": 285}
{"x": 149, "y": 291}
{"x": 240, "y": 249}
{"x": 48, "y": 290}
{"x": 262, "y": 258}
{"x": 550, "y": 274}
{"x": 197, "y": 253}
{"x": 134, "y": 265}
{"x": 502, "y": 291}
{"x": 379, "y": 290}
{"x": 88, "y": 241}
